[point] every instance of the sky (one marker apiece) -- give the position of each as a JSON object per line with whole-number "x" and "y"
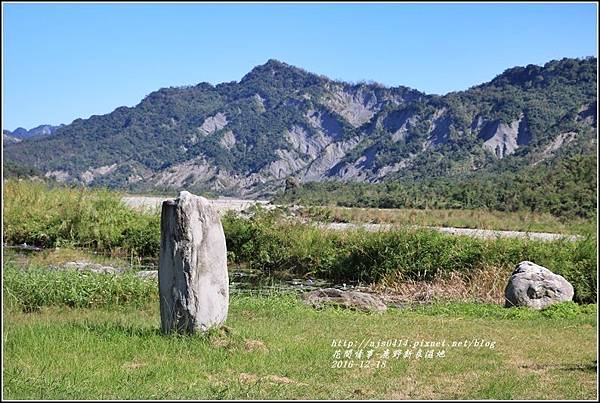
{"x": 66, "y": 61}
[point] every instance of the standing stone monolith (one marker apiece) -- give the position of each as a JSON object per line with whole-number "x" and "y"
{"x": 192, "y": 277}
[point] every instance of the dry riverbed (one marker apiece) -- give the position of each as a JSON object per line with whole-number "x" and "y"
{"x": 225, "y": 204}
{"x": 221, "y": 204}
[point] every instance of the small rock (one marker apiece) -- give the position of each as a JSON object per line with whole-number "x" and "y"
{"x": 91, "y": 268}
{"x": 345, "y": 299}
{"x": 99, "y": 269}
{"x": 536, "y": 287}
{"x": 75, "y": 265}
{"x": 23, "y": 246}
{"x": 147, "y": 274}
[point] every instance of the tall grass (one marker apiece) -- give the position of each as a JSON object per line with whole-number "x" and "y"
{"x": 29, "y": 289}
{"x": 404, "y": 254}
{"x": 35, "y": 213}
{"x": 38, "y": 214}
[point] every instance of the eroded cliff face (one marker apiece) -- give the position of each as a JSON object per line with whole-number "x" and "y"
{"x": 503, "y": 139}
{"x": 319, "y": 149}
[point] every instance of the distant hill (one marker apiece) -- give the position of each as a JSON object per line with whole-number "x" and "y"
{"x": 280, "y": 121}
{"x": 8, "y": 138}
{"x": 20, "y": 134}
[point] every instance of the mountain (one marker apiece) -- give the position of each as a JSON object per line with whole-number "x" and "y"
{"x": 279, "y": 121}
{"x": 20, "y": 134}
{"x": 8, "y": 138}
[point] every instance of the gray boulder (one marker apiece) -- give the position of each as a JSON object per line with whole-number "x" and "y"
{"x": 192, "y": 277}
{"x": 536, "y": 287}
{"x": 346, "y": 299}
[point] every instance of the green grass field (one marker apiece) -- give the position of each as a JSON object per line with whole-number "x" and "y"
{"x": 68, "y": 335}
{"x": 277, "y": 348}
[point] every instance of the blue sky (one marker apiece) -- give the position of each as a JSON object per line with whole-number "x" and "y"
{"x": 66, "y": 61}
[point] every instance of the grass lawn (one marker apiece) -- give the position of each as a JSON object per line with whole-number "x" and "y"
{"x": 277, "y": 348}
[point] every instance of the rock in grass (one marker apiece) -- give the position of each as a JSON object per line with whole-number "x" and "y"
{"x": 96, "y": 268}
{"x": 536, "y": 287}
{"x": 192, "y": 277}
{"x": 147, "y": 274}
{"x": 345, "y": 299}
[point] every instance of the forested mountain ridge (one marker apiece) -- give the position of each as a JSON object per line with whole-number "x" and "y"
{"x": 279, "y": 121}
